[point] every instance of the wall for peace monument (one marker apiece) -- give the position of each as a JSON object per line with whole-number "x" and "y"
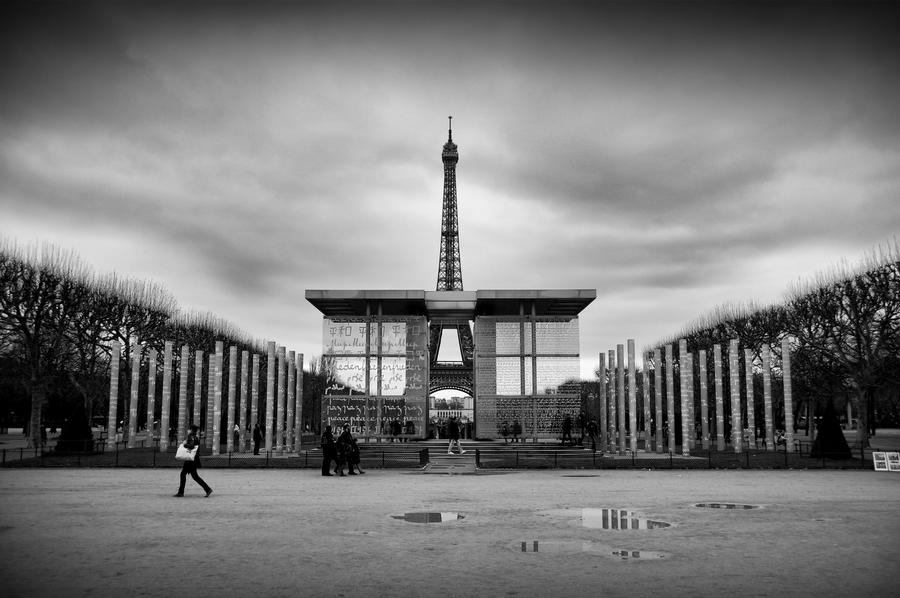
{"x": 526, "y": 370}
{"x": 380, "y": 371}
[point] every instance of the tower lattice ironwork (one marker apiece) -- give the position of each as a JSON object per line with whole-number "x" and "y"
{"x": 449, "y": 278}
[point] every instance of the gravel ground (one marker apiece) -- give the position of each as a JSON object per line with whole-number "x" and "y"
{"x": 119, "y": 532}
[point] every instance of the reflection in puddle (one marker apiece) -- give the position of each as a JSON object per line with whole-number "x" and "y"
{"x": 620, "y": 519}
{"x": 572, "y": 547}
{"x": 424, "y": 517}
{"x": 645, "y": 555}
{"x": 724, "y": 505}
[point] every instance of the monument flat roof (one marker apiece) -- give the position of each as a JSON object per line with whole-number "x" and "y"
{"x": 451, "y": 304}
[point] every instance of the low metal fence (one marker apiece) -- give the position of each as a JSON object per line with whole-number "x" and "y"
{"x": 393, "y": 456}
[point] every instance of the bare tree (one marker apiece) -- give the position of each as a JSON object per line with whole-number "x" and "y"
{"x": 35, "y": 315}
{"x": 853, "y": 322}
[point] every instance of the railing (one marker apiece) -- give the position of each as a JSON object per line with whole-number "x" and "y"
{"x": 411, "y": 456}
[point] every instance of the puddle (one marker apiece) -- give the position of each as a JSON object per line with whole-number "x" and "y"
{"x": 644, "y": 555}
{"x": 724, "y": 505}
{"x": 424, "y": 517}
{"x": 619, "y": 519}
{"x": 574, "y": 547}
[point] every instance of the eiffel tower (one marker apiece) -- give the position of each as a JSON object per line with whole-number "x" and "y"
{"x": 456, "y": 375}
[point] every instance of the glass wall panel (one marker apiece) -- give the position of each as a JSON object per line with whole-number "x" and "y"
{"x": 393, "y": 376}
{"x": 344, "y": 338}
{"x": 552, "y": 372}
{"x": 508, "y": 338}
{"x": 350, "y": 372}
{"x": 557, "y": 337}
{"x": 509, "y": 376}
{"x": 393, "y": 338}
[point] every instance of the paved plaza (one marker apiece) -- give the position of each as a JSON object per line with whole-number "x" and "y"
{"x": 268, "y": 533}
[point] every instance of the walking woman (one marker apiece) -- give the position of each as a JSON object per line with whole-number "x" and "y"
{"x": 191, "y": 467}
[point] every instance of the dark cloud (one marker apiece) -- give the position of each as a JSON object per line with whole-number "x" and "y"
{"x": 651, "y": 150}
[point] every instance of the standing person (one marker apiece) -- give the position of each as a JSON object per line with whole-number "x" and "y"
{"x": 355, "y": 456}
{"x": 567, "y": 430}
{"x": 236, "y": 434}
{"x": 592, "y": 432}
{"x": 453, "y": 429}
{"x": 516, "y": 430}
{"x": 344, "y": 451}
{"x": 257, "y": 438}
{"x": 328, "y": 451}
{"x": 191, "y": 467}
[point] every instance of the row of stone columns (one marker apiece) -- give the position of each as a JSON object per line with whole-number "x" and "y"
{"x": 614, "y": 434}
{"x": 283, "y": 436}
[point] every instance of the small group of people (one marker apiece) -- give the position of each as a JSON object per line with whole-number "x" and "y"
{"x": 343, "y": 451}
{"x": 515, "y": 430}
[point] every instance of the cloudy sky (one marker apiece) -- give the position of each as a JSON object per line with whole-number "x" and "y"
{"x": 673, "y": 156}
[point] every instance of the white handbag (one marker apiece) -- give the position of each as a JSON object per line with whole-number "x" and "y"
{"x": 184, "y": 454}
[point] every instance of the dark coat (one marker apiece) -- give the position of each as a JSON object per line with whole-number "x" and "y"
{"x": 344, "y": 442}
{"x": 327, "y": 444}
{"x": 193, "y": 441}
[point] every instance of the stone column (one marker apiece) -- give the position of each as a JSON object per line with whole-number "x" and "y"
{"x": 184, "y": 368}
{"x": 279, "y": 425}
{"x": 704, "y": 400}
{"x": 114, "y": 356}
{"x": 613, "y": 415}
{"x": 217, "y": 399}
{"x": 151, "y": 386}
{"x": 165, "y": 405}
{"x": 298, "y": 409}
{"x": 242, "y": 409}
{"x": 670, "y": 397}
{"x": 658, "y": 379}
{"x": 632, "y": 397}
{"x": 603, "y": 420}
{"x": 788, "y": 396}
{"x": 270, "y": 394}
{"x": 151, "y": 389}
{"x": 719, "y": 392}
{"x": 254, "y": 393}
{"x": 620, "y": 394}
{"x": 735, "y": 372}
{"x": 767, "y": 396}
{"x": 135, "y": 385}
{"x": 289, "y": 413}
{"x": 751, "y": 397}
{"x": 197, "y": 403}
{"x": 210, "y": 399}
{"x": 691, "y": 416}
{"x": 683, "y": 375}
{"x": 232, "y": 398}
{"x": 648, "y": 404}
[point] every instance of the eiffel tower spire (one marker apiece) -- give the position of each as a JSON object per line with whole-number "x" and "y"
{"x": 449, "y": 265}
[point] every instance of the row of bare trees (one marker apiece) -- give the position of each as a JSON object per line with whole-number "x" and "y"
{"x": 843, "y": 329}
{"x": 58, "y": 320}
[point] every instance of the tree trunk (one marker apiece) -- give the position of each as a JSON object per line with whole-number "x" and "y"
{"x": 38, "y": 400}
{"x": 862, "y": 417}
